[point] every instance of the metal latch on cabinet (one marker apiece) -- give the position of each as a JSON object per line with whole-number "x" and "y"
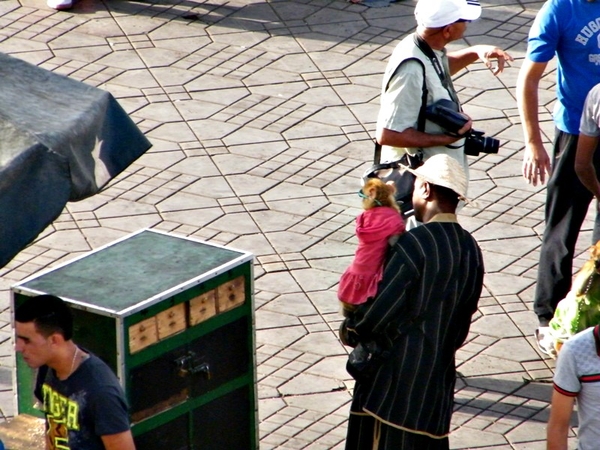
{"x": 191, "y": 364}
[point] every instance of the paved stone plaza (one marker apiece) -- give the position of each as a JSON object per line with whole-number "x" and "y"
{"x": 261, "y": 115}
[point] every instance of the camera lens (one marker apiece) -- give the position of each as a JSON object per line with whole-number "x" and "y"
{"x": 476, "y": 143}
{"x": 490, "y": 145}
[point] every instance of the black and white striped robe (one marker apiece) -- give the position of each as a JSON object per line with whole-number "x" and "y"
{"x": 429, "y": 291}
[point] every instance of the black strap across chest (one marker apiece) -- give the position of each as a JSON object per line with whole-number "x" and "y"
{"x": 437, "y": 66}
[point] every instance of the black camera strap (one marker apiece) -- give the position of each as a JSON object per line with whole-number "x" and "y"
{"x": 442, "y": 74}
{"x": 421, "y": 119}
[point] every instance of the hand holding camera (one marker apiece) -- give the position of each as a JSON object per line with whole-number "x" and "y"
{"x": 466, "y": 127}
{"x": 446, "y": 114}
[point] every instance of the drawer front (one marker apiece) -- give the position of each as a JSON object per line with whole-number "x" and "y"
{"x": 203, "y": 307}
{"x": 231, "y": 294}
{"x": 171, "y": 321}
{"x": 143, "y": 334}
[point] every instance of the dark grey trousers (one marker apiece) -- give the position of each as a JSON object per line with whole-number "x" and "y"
{"x": 567, "y": 204}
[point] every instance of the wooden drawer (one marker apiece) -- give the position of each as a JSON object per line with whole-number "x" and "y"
{"x": 231, "y": 294}
{"x": 203, "y": 307}
{"x": 142, "y": 334}
{"x": 171, "y": 321}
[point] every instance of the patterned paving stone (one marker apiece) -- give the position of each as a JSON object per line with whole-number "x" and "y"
{"x": 306, "y": 383}
{"x": 499, "y": 325}
{"x": 268, "y": 319}
{"x": 324, "y": 344}
{"x": 506, "y": 284}
{"x": 334, "y": 367}
{"x": 471, "y": 438}
{"x": 292, "y": 304}
{"x": 514, "y": 349}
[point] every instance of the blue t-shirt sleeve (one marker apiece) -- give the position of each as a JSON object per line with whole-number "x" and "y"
{"x": 544, "y": 33}
{"x": 110, "y": 411}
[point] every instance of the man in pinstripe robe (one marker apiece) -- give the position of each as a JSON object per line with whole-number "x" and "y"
{"x": 421, "y": 316}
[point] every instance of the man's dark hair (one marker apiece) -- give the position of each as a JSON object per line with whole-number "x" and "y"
{"x": 49, "y": 313}
{"x": 445, "y": 195}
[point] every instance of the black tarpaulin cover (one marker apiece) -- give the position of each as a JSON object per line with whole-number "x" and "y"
{"x": 60, "y": 140}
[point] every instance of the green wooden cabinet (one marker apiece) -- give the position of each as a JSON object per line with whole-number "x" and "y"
{"x": 173, "y": 317}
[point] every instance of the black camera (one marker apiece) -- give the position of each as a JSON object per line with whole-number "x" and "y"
{"x": 445, "y": 113}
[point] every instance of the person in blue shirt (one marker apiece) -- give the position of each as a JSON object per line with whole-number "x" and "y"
{"x": 569, "y": 30}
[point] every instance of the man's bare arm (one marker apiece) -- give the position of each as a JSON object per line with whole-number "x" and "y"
{"x": 459, "y": 59}
{"x": 536, "y": 163}
{"x": 119, "y": 441}
{"x": 584, "y": 163}
{"x": 560, "y": 418}
{"x": 413, "y": 138}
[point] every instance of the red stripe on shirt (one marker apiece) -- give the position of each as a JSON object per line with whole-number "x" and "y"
{"x": 589, "y": 378}
{"x": 564, "y": 392}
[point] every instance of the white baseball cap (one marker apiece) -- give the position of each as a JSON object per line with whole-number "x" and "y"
{"x": 443, "y": 170}
{"x": 439, "y": 13}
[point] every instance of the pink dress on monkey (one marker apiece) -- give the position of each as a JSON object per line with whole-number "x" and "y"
{"x": 374, "y": 227}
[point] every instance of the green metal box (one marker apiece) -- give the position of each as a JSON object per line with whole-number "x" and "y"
{"x": 174, "y": 318}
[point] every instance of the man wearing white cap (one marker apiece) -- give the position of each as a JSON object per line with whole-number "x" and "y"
{"x": 419, "y": 318}
{"x": 423, "y": 54}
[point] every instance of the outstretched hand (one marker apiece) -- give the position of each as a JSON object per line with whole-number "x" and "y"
{"x": 489, "y": 53}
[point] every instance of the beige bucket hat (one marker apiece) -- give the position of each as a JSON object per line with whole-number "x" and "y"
{"x": 442, "y": 170}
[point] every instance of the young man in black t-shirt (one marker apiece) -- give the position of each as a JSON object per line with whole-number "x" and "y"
{"x": 83, "y": 401}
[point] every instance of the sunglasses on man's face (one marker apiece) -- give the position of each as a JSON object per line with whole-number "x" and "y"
{"x": 462, "y": 20}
